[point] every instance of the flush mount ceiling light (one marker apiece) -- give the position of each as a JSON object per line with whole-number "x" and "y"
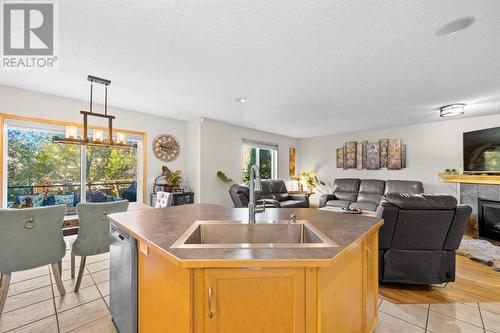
{"x": 452, "y": 110}
{"x": 455, "y": 26}
{"x": 241, "y": 100}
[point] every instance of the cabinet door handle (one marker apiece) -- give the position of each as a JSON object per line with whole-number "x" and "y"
{"x": 210, "y": 313}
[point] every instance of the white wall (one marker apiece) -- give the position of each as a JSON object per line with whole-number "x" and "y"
{"x": 431, "y": 148}
{"x": 221, "y": 150}
{"x": 29, "y": 103}
{"x": 193, "y": 149}
{"x": 208, "y": 145}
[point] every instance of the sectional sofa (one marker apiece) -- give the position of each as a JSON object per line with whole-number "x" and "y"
{"x": 366, "y": 194}
{"x": 274, "y": 194}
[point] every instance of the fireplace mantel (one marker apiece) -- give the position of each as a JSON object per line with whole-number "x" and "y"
{"x": 470, "y": 179}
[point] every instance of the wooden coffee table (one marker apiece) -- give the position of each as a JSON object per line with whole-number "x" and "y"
{"x": 339, "y": 210}
{"x": 307, "y": 194}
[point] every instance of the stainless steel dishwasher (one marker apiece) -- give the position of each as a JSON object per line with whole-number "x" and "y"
{"x": 123, "y": 280}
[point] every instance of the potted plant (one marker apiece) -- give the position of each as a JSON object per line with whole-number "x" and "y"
{"x": 223, "y": 178}
{"x": 310, "y": 179}
{"x": 174, "y": 179}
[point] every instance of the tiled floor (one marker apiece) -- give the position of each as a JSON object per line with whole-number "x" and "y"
{"x": 34, "y": 305}
{"x": 439, "y": 318}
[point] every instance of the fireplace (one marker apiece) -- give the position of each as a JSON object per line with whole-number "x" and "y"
{"x": 489, "y": 219}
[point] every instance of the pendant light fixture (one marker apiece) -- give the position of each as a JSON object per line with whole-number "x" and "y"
{"x": 98, "y": 138}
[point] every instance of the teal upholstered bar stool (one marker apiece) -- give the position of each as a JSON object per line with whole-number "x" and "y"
{"x": 93, "y": 234}
{"x": 31, "y": 238}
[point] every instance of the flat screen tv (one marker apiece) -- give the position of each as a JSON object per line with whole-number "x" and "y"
{"x": 482, "y": 151}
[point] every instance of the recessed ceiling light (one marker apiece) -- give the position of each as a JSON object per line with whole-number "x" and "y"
{"x": 241, "y": 100}
{"x": 452, "y": 110}
{"x": 455, "y": 26}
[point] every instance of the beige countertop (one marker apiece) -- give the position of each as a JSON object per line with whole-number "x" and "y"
{"x": 160, "y": 228}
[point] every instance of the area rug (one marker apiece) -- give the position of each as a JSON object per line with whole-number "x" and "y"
{"x": 482, "y": 251}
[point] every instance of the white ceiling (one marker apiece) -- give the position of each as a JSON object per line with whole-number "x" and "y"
{"x": 308, "y": 68}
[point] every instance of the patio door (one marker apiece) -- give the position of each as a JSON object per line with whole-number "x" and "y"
{"x": 39, "y": 172}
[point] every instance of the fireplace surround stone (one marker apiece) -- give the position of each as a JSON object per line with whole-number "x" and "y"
{"x": 470, "y": 194}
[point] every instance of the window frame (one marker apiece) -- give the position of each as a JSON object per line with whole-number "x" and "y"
{"x": 140, "y": 136}
{"x": 274, "y": 148}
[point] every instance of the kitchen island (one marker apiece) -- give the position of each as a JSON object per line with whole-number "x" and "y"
{"x": 201, "y": 268}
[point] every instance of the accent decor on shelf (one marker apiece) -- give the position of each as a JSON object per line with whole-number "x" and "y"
{"x": 168, "y": 181}
{"x": 385, "y": 153}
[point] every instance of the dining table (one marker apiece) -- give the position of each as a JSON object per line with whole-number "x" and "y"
{"x": 71, "y": 222}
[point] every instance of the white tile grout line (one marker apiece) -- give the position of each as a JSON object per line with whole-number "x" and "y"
{"x": 43, "y": 300}
{"x": 90, "y": 322}
{"x": 30, "y": 323}
{"x": 481, "y": 315}
{"x": 71, "y": 308}
{"x": 463, "y": 321}
{"x": 101, "y": 298}
{"x": 98, "y": 287}
{"x": 33, "y": 277}
{"x": 56, "y": 313}
{"x": 393, "y": 316}
{"x": 428, "y": 314}
{"x": 427, "y": 318}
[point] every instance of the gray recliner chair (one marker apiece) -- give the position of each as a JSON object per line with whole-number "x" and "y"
{"x": 345, "y": 192}
{"x": 370, "y": 193}
{"x": 274, "y": 194}
{"x": 419, "y": 237}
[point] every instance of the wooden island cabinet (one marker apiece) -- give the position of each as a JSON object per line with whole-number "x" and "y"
{"x": 256, "y": 290}
{"x": 341, "y": 297}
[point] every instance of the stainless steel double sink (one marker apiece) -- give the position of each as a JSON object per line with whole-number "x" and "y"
{"x": 263, "y": 234}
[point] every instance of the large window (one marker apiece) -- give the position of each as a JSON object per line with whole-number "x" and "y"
{"x": 111, "y": 173}
{"x": 42, "y": 173}
{"x": 263, "y": 155}
{"x": 39, "y": 172}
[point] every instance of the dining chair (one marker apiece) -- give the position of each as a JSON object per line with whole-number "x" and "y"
{"x": 30, "y": 238}
{"x": 93, "y": 233}
{"x": 163, "y": 199}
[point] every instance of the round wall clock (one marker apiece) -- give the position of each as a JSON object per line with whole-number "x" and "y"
{"x": 165, "y": 147}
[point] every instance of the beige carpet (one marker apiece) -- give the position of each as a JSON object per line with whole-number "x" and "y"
{"x": 482, "y": 251}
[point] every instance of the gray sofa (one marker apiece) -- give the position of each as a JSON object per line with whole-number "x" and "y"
{"x": 365, "y": 194}
{"x": 419, "y": 237}
{"x": 274, "y": 194}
